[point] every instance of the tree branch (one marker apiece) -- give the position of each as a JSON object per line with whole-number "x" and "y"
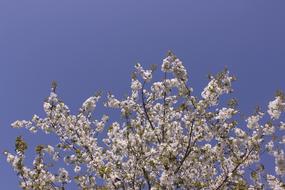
{"x": 188, "y": 149}
{"x": 234, "y": 170}
{"x": 145, "y": 111}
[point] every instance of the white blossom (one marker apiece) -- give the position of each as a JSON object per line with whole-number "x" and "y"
{"x": 216, "y": 87}
{"x": 63, "y": 176}
{"x": 276, "y": 107}
{"x": 77, "y": 169}
{"x": 279, "y": 162}
{"x": 274, "y": 183}
{"x": 89, "y": 104}
{"x": 252, "y": 121}
{"x": 225, "y": 113}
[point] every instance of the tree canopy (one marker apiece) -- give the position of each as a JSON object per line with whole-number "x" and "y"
{"x": 167, "y": 138}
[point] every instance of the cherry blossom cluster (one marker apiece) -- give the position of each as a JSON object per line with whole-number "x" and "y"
{"x": 167, "y": 138}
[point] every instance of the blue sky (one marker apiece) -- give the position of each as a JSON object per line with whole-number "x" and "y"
{"x": 93, "y": 45}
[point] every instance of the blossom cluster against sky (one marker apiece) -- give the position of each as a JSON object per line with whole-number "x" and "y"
{"x": 90, "y": 45}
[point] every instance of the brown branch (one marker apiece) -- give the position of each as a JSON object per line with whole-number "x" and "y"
{"x": 164, "y": 108}
{"x": 235, "y": 169}
{"x": 145, "y": 111}
{"x": 147, "y": 178}
{"x": 188, "y": 149}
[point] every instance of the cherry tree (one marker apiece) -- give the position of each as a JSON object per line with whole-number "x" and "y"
{"x": 167, "y": 138}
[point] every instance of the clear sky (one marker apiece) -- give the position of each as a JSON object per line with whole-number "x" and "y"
{"x": 89, "y": 45}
